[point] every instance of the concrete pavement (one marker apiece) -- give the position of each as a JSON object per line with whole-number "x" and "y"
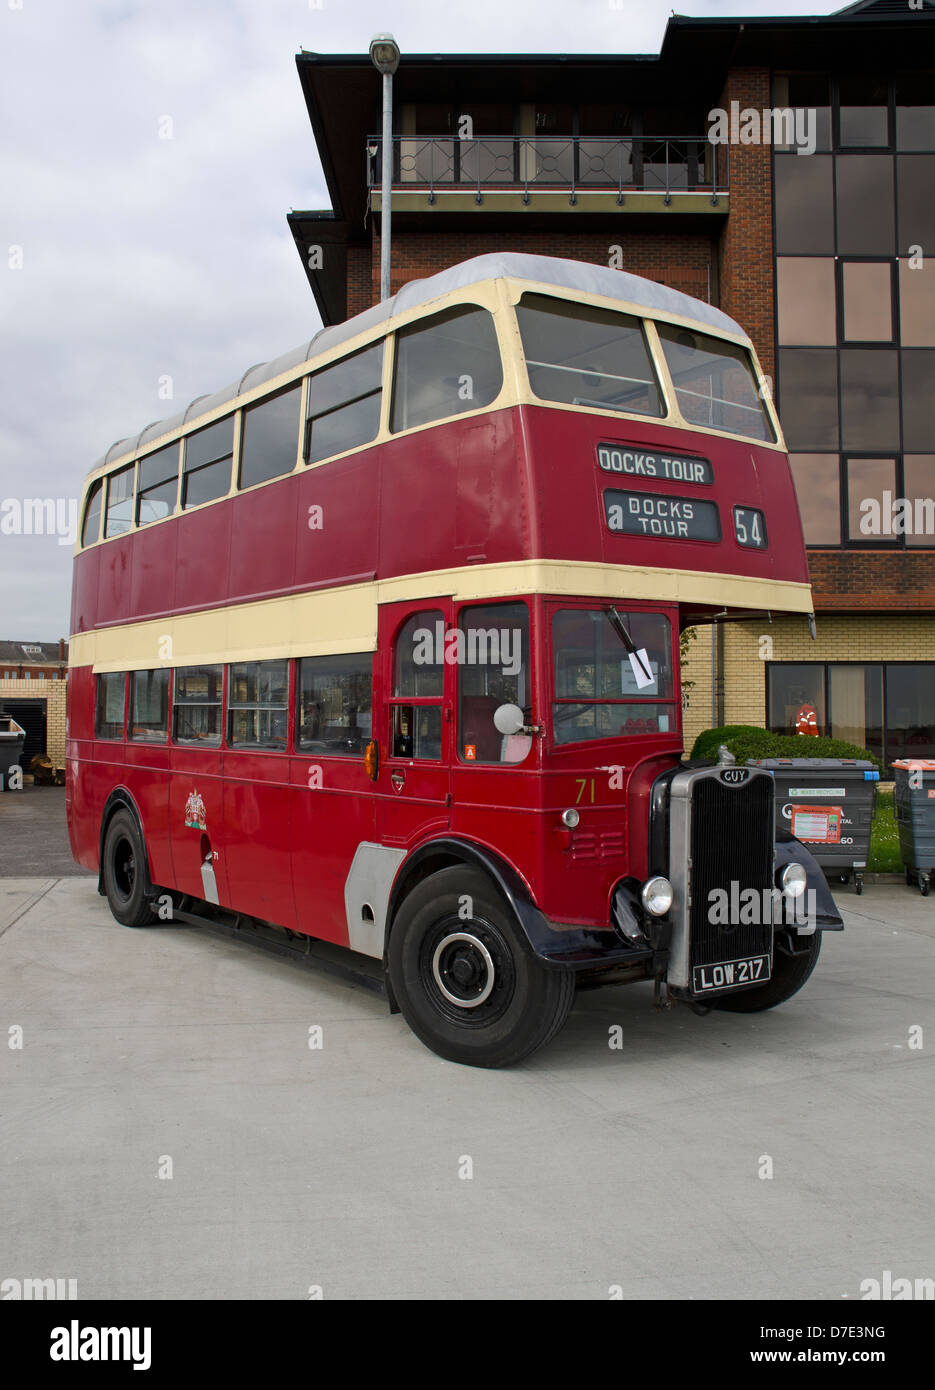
{"x": 370, "y": 1168}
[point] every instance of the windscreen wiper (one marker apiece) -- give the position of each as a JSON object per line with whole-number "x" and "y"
{"x": 620, "y": 627}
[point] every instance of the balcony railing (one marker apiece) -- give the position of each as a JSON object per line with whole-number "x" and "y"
{"x": 441, "y": 164}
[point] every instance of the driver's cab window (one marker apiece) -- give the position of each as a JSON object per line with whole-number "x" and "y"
{"x": 493, "y": 672}
{"x": 418, "y": 687}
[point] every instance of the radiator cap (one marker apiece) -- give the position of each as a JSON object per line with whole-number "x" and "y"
{"x": 724, "y": 756}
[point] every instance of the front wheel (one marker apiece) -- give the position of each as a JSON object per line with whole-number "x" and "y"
{"x": 124, "y": 871}
{"x": 466, "y": 982}
{"x": 789, "y": 975}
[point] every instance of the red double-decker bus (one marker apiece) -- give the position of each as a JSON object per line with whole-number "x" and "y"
{"x": 380, "y": 647}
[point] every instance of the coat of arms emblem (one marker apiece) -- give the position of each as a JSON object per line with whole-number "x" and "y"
{"x": 195, "y": 814}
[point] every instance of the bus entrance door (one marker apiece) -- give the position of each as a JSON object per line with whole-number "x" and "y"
{"x": 413, "y": 784}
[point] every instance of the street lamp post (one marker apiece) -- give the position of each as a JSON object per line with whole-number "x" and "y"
{"x": 384, "y": 54}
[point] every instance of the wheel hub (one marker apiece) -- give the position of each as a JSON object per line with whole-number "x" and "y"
{"x": 463, "y": 969}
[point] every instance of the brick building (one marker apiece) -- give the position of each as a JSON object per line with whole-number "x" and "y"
{"x": 822, "y": 252}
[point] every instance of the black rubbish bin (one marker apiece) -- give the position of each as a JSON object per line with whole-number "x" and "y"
{"x": 914, "y": 804}
{"x": 828, "y": 804}
{"x": 12, "y": 738}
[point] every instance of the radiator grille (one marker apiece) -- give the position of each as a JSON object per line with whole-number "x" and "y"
{"x": 731, "y": 843}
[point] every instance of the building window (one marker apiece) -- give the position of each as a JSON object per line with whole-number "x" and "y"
{"x": 149, "y": 705}
{"x": 915, "y": 177}
{"x": 806, "y": 301}
{"x": 915, "y": 112}
{"x": 806, "y": 92}
{"x": 157, "y": 485}
{"x": 865, "y": 205}
{"x": 917, "y": 303}
{"x": 867, "y": 301}
{"x": 869, "y": 517}
{"x": 864, "y": 112}
{"x": 887, "y": 707}
{"x": 111, "y": 702}
{"x": 270, "y": 441}
{"x": 344, "y": 404}
{"x": 869, "y": 399}
{"x": 196, "y": 705}
{"x": 335, "y": 704}
{"x": 119, "y": 517}
{"x": 257, "y": 704}
{"x": 208, "y": 456}
{"x": 804, "y": 204}
{"x": 818, "y": 489}
{"x": 918, "y": 375}
{"x": 445, "y": 366}
{"x": 808, "y": 397}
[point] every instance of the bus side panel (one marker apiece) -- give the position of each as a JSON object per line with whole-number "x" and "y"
{"x": 333, "y": 811}
{"x": 196, "y": 793}
{"x": 113, "y": 590}
{"x": 336, "y": 520}
{"x": 453, "y": 494}
{"x": 154, "y": 564}
{"x": 83, "y": 825}
{"x": 200, "y": 576}
{"x": 147, "y": 781}
{"x": 84, "y": 590}
{"x": 257, "y": 835}
{"x": 262, "y": 551}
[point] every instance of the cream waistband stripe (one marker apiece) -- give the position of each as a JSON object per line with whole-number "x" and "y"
{"x": 329, "y": 621}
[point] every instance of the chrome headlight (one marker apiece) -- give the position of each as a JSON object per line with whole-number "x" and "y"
{"x": 793, "y": 880}
{"x": 656, "y": 895}
{"x": 570, "y": 818}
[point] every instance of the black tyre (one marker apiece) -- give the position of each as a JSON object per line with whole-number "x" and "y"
{"x": 789, "y": 975}
{"x": 466, "y": 981}
{"x": 924, "y": 885}
{"x": 124, "y": 871}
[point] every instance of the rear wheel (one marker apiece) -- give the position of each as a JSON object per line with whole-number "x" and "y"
{"x": 466, "y": 982}
{"x": 789, "y": 975}
{"x": 124, "y": 871}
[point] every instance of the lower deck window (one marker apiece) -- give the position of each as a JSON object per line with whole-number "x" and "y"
{"x": 258, "y": 704}
{"x": 149, "y": 705}
{"x": 196, "y": 712}
{"x": 334, "y": 700}
{"x": 111, "y": 701}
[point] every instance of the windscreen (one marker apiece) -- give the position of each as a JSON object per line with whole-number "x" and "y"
{"x": 613, "y": 675}
{"x": 585, "y": 356}
{"x": 715, "y": 384}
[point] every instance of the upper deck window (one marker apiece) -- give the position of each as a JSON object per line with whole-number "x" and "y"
{"x": 119, "y": 517}
{"x": 586, "y": 356}
{"x": 158, "y": 485}
{"x": 91, "y": 529}
{"x": 445, "y": 365}
{"x": 344, "y": 404}
{"x": 714, "y": 383}
{"x": 208, "y": 457}
{"x": 270, "y": 440}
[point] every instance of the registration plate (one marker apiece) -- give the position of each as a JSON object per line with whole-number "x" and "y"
{"x": 729, "y": 974}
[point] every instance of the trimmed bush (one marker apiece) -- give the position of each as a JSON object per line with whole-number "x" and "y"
{"x": 747, "y": 741}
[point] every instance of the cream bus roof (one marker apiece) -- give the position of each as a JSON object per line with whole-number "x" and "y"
{"x": 632, "y": 290}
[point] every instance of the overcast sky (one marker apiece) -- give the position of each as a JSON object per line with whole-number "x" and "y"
{"x": 144, "y": 258}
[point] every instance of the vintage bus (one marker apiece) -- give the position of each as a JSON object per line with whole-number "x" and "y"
{"x": 379, "y": 647}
